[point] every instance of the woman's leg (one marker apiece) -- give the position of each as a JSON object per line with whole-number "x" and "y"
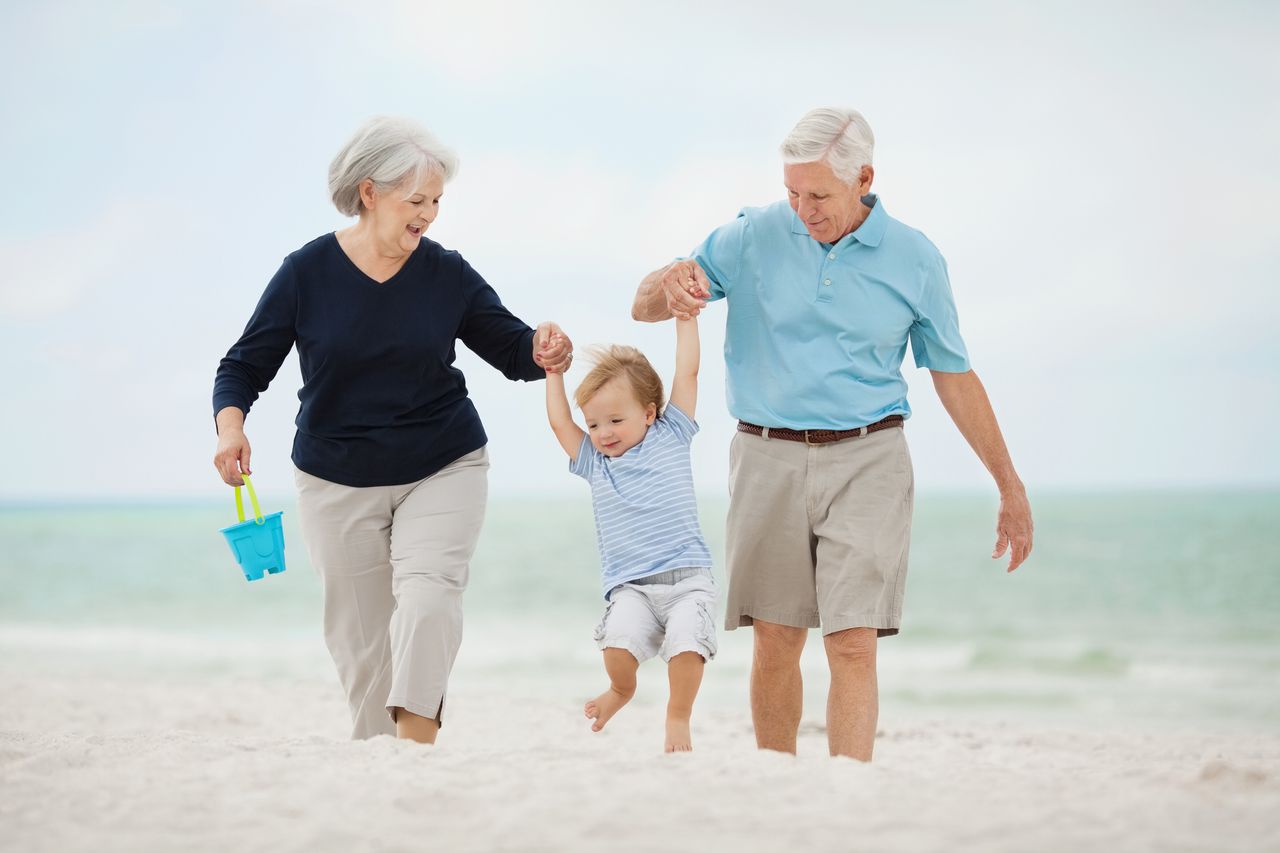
{"x": 347, "y": 534}
{"x": 434, "y": 530}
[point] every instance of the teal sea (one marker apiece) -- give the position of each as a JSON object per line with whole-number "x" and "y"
{"x": 1135, "y": 609}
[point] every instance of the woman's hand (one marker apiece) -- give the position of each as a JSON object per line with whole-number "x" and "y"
{"x": 552, "y": 349}
{"x": 232, "y": 455}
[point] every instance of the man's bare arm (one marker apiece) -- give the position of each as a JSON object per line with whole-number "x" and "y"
{"x": 966, "y": 401}
{"x": 651, "y": 300}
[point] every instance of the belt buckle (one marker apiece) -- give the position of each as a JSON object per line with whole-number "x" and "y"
{"x": 806, "y": 439}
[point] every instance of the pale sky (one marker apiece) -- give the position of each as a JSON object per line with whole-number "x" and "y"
{"x": 1101, "y": 177}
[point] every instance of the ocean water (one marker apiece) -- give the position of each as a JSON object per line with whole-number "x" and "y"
{"x": 1135, "y": 609}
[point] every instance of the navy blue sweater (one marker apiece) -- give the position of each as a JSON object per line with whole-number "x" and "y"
{"x": 382, "y": 403}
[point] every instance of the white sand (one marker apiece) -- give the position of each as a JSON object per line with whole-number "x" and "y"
{"x": 138, "y": 762}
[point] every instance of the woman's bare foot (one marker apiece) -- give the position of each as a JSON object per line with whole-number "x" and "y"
{"x": 604, "y": 706}
{"x": 678, "y": 737}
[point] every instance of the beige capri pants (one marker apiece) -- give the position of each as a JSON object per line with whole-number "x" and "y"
{"x": 394, "y": 562}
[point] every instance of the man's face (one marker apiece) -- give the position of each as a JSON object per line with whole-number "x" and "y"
{"x": 828, "y": 207}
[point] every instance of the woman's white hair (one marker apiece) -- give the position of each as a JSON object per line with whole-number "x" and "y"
{"x": 388, "y": 151}
{"x": 839, "y": 137}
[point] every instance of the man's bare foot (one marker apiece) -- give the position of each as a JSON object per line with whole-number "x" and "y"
{"x": 604, "y": 706}
{"x": 678, "y": 737}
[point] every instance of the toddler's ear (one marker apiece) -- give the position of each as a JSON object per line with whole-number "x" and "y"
{"x": 650, "y": 414}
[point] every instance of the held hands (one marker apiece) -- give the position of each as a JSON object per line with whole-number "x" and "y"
{"x": 1014, "y": 529}
{"x": 686, "y": 288}
{"x": 552, "y": 349}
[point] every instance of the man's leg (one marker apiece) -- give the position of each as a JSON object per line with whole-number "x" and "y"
{"x": 776, "y": 692}
{"x": 863, "y": 537}
{"x": 853, "y": 703}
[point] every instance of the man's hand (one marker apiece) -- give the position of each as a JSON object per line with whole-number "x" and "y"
{"x": 686, "y": 289}
{"x": 1014, "y": 529}
{"x": 552, "y": 349}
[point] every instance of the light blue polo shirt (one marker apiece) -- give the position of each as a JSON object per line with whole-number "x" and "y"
{"x": 816, "y": 333}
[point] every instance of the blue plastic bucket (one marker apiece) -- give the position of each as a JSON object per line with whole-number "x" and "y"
{"x": 258, "y": 543}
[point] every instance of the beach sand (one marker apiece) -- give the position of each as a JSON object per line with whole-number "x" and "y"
{"x": 132, "y": 762}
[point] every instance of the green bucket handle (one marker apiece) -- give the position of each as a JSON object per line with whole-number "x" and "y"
{"x": 253, "y": 499}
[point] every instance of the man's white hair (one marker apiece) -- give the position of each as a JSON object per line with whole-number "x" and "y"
{"x": 389, "y": 151}
{"x": 837, "y": 136}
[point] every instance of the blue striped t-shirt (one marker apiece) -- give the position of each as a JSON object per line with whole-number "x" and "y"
{"x": 646, "y": 514}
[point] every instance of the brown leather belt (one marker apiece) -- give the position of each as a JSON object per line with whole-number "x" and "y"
{"x": 819, "y": 436}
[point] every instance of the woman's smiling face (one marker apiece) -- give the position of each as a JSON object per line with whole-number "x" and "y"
{"x": 400, "y": 216}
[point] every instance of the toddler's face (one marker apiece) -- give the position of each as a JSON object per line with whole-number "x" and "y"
{"x": 616, "y": 420}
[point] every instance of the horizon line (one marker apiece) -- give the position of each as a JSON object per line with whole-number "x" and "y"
{"x": 1092, "y": 490}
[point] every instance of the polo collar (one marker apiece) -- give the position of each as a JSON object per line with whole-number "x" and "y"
{"x": 869, "y": 233}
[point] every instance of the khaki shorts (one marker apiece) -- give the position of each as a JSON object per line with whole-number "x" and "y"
{"x": 818, "y": 534}
{"x": 664, "y": 614}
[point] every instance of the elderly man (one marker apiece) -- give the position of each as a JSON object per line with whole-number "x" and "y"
{"x": 823, "y": 294}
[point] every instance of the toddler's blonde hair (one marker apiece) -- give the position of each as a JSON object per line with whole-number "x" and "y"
{"x": 614, "y": 361}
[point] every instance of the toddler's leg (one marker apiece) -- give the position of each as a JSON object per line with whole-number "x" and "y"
{"x": 621, "y": 666}
{"x": 628, "y": 634}
{"x": 690, "y": 642}
{"x": 684, "y": 671}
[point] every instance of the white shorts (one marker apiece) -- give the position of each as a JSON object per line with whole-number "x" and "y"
{"x": 665, "y": 615}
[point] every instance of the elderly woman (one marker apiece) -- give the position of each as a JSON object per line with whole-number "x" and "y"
{"x": 390, "y": 457}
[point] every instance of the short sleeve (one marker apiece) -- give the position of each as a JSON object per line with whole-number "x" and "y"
{"x": 935, "y": 334}
{"x": 684, "y": 427}
{"x": 585, "y": 463}
{"x": 720, "y": 255}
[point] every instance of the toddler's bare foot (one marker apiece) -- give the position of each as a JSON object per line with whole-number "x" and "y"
{"x": 678, "y": 737}
{"x": 604, "y": 706}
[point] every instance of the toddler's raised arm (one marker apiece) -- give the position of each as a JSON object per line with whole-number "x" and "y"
{"x": 684, "y": 388}
{"x": 568, "y": 433}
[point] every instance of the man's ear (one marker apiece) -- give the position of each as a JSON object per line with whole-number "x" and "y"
{"x": 867, "y": 175}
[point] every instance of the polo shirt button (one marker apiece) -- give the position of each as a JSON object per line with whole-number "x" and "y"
{"x": 827, "y": 282}
{"x": 832, "y": 256}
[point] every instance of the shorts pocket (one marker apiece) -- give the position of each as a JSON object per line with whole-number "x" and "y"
{"x": 707, "y": 629}
{"x": 600, "y": 629}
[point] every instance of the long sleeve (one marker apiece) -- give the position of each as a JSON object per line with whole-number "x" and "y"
{"x": 494, "y": 333}
{"x": 253, "y": 361}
